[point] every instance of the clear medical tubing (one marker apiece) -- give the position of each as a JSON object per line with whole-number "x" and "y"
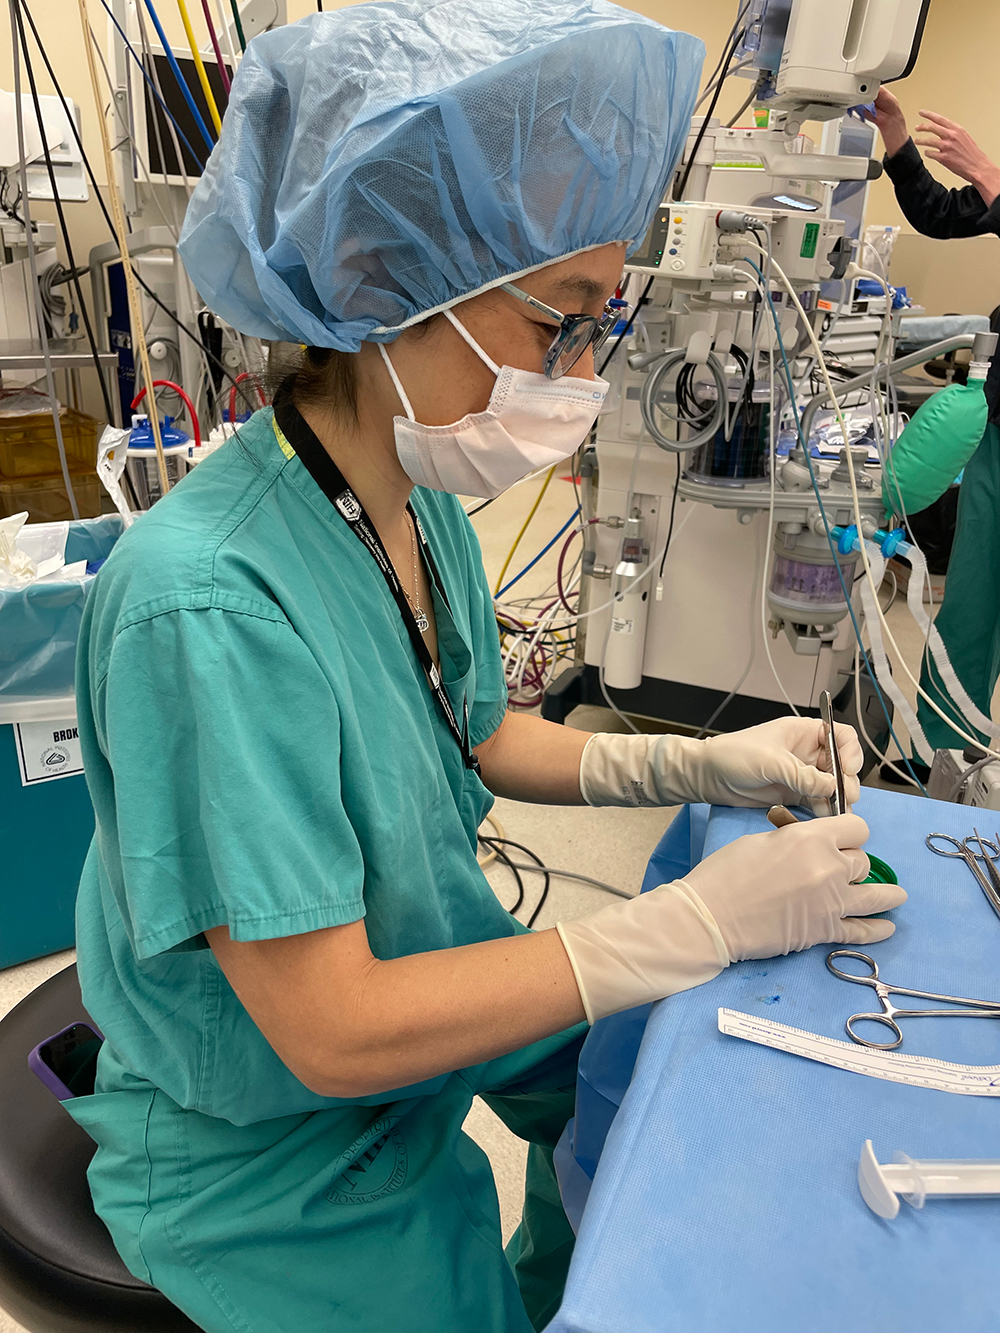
{"x": 939, "y": 654}
{"x": 881, "y": 661}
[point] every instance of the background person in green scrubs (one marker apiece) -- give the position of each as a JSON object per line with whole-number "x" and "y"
{"x": 293, "y": 712}
{"x": 969, "y": 618}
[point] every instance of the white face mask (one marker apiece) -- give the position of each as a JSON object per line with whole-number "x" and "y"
{"x": 530, "y": 422}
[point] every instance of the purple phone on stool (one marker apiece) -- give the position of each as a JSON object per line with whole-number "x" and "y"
{"x": 60, "y": 1060}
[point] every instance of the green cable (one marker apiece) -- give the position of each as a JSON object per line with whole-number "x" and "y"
{"x": 239, "y": 24}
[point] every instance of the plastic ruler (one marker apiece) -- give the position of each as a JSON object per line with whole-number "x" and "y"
{"x": 919, "y": 1070}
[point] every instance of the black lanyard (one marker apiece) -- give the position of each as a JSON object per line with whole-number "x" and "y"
{"x": 329, "y": 478}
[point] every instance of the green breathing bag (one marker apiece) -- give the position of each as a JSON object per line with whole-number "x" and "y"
{"x": 937, "y": 442}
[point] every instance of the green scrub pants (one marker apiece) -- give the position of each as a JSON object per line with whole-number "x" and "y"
{"x": 377, "y": 1219}
{"x": 969, "y": 618}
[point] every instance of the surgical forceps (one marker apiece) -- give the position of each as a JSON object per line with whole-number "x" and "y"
{"x": 988, "y": 882}
{"x": 889, "y": 1014}
{"x": 838, "y": 801}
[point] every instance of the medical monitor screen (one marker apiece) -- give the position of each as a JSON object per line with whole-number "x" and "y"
{"x": 160, "y": 153}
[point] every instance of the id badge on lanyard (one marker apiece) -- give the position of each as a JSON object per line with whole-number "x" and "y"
{"x": 293, "y": 430}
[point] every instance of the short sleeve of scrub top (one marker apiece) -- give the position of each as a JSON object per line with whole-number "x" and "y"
{"x": 263, "y": 752}
{"x": 225, "y": 739}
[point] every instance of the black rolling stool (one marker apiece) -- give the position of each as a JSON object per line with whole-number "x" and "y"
{"x": 59, "y": 1272}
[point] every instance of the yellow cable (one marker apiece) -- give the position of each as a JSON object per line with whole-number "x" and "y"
{"x": 121, "y": 232}
{"x": 498, "y": 828}
{"x": 517, "y": 540}
{"x": 206, "y": 87}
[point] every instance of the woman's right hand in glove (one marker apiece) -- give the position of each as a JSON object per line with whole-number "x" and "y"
{"x": 762, "y": 895}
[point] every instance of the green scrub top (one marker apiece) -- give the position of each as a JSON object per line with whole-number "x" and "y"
{"x": 263, "y": 751}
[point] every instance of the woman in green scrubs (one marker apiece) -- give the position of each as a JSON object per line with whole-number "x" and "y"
{"x": 293, "y": 711}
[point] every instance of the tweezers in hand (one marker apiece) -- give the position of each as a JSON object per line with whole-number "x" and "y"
{"x": 838, "y": 801}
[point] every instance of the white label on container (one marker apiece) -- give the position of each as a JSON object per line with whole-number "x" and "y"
{"x": 47, "y": 750}
{"x": 619, "y": 625}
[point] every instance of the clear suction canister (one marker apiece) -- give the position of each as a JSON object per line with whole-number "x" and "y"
{"x": 806, "y": 587}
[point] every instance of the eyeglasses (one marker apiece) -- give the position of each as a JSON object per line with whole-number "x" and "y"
{"x": 575, "y": 333}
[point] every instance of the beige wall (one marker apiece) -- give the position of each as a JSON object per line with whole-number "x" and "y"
{"x": 955, "y": 73}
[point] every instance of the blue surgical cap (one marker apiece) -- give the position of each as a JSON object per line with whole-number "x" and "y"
{"x": 382, "y": 162}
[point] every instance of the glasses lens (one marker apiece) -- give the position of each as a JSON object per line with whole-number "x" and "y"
{"x": 569, "y": 345}
{"x": 605, "y": 329}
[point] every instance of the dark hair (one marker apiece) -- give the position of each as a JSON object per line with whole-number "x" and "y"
{"x": 322, "y": 376}
{"x": 316, "y": 377}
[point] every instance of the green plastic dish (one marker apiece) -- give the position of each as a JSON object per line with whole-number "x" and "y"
{"x": 880, "y": 873}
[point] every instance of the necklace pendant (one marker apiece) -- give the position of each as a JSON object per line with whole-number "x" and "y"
{"x": 423, "y": 624}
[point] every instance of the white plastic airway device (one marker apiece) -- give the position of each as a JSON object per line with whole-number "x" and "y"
{"x": 918, "y": 1181}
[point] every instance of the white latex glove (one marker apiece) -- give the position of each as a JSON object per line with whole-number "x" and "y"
{"x": 778, "y": 763}
{"x": 762, "y": 895}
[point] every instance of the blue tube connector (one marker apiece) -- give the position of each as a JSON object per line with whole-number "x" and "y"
{"x": 891, "y": 542}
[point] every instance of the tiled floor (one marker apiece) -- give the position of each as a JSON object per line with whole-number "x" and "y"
{"x": 611, "y": 845}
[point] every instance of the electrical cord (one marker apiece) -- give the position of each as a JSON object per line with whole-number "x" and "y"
{"x": 971, "y": 740}
{"x": 505, "y": 860}
{"x": 142, "y": 69}
{"x": 239, "y": 24}
{"x": 703, "y": 129}
{"x": 224, "y": 27}
{"x": 121, "y": 232}
{"x": 126, "y": 137}
{"x": 819, "y": 499}
{"x": 50, "y": 380}
{"x": 147, "y": 52}
{"x": 761, "y": 80}
{"x": 499, "y": 830}
{"x": 223, "y": 72}
{"x": 772, "y": 481}
{"x": 673, "y": 511}
{"x": 199, "y": 66}
{"x": 970, "y": 772}
{"x": 753, "y": 647}
{"x": 172, "y": 315}
{"x": 733, "y": 33}
{"x": 73, "y": 275}
{"x": 572, "y": 874}
{"x": 619, "y": 341}
{"x": 531, "y": 564}
{"x": 539, "y": 867}
{"x": 524, "y": 527}
{"x": 715, "y": 415}
{"x": 175, "y": 69}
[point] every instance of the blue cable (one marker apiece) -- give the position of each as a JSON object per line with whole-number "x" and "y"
{"x": 152, "y": 86}
{"x": 181, "y": 82}
{"x": 568, "y": 524}
{"x": 826, "y": 523}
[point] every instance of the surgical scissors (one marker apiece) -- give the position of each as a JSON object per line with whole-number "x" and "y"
{"x": 990, "y": 882}
{"x": 889, "y": 1014}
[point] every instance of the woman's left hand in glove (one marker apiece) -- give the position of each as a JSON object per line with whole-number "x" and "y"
{"x": 778, "y": 763}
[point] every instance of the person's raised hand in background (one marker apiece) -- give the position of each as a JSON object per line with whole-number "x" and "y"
{"x": 946, "y": 142}
{"x": 890, "y": 121}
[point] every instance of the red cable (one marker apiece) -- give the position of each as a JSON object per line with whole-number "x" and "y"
{"x": 223, "y": 72}
{"x": 244, "y": 375}
{"x": 562, "y": 557}
{"x": 169, "y": 384}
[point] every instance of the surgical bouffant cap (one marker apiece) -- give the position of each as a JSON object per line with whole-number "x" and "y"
{"x": 381, "y": 162}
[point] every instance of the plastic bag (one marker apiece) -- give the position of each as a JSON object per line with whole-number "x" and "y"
{"x": 40, "y": 623}
{"x": 112, "y": 455}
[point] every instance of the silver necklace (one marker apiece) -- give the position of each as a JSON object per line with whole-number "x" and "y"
{"x": 419, "y": 614}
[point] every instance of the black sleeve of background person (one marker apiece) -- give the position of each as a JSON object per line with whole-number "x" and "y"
{"x": 930, "y": 207}
{"x": 993, "y": 378}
